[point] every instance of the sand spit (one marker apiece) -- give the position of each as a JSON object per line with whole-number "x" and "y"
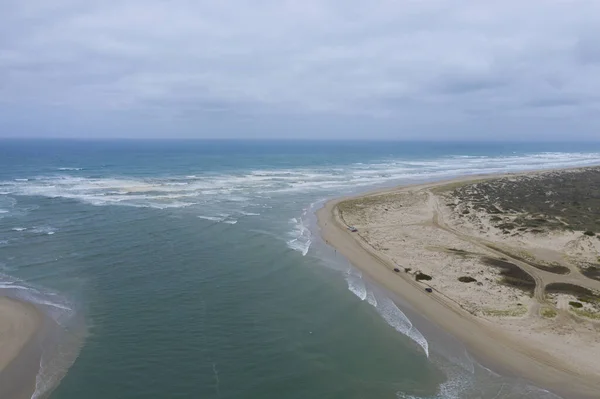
{"x": 513, "y": 263}
{"x": 20, "y": 324}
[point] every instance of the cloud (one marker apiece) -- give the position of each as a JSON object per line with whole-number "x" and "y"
{"x": 205, "y": 68}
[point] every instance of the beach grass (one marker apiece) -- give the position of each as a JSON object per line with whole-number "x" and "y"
{"x": 549, "y": 313}
{"x": 513, "y": 312}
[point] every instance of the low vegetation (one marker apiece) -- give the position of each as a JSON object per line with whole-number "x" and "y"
{"x": 581, "y": 293}
{"x": 515, "y": 312}
{"x": 591, "y": 271}
{"x": 526, "y": 258}
{"x": 422, "y": 276}
{"x": 587, "y": 313}
{"x": 512, "y": 275}
{"x": 549, "y": 313}
{"x": 558, "y": 200}
{"x": 467, "y": 279}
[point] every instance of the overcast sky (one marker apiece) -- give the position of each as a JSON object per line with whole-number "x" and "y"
{"x": 437, "y": 69}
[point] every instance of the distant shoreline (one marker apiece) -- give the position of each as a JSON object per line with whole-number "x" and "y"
{"x": 508, "y": 353}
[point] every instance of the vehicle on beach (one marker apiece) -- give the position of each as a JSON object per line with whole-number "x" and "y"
{"x": 352, "y": 229}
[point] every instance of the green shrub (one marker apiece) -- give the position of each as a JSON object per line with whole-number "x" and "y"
{"x": 466, "y": 279}
{"x": 589, "y": 233}
{"x": 576, "y": 304}
{"x": 422, "y": 276}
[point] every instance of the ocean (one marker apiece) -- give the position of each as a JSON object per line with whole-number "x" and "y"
{"x": 194, "y": 269}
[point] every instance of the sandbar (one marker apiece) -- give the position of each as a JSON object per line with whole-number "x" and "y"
{"x": 20, "y": 322}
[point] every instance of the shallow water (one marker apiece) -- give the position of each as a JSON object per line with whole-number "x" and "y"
{"x": 194, "y": 269}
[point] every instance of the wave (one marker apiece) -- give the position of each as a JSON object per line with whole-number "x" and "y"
{"x": 212, "y": 218}
{"x": 249, "y": 213}
{"x": 221, "y": 218}
{"x": 400, "y": 322}
{"x": 44, "y": 230}
{"x": 386, "y": 308}
{"x": 69, "y": 169}
{"x": 240, "y": 188}
{"x": 482, "y": 383}
{"x": 357, "y": 286}
{"x": 301, "y": 235}
{"x": 371, "y": 299}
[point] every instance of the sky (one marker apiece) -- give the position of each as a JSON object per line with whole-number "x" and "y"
{"x": 319, "y": 69}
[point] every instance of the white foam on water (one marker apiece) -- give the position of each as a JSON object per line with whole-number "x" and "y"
{"x": 171, "y": 205}
{"x": 243, "y": 187}
{"x": 357, "y": 286}
{"x": 371, "y": 299}
{"x": 48, "y": 230}
{"x": 212, "y": 218}
{"x": 249, "y": 213}
{"x": 19, "y": 228}
{"x": 481, "y": 385}
{"x": 69, "y": 169}
{"x": 451, "y": 389}
{"x": 301, "y": 235}
{"x": 219, "y": 218}
{"x": 400, "y": 322}
{"x": 3, "y": 211}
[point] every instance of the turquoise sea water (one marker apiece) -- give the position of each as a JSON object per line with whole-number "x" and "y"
{"x": 194, "y": 269}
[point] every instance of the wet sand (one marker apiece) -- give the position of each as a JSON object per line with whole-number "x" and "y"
{"x": 20, "y": 324}
{"x": 526, "y": 351}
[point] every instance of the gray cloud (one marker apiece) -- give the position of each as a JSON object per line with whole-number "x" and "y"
{"x": 389, "y": 69}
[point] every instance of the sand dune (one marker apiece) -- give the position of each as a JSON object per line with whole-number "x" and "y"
{"x": 495, "y": 290}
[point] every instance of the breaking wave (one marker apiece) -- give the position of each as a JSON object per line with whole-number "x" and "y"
{"x": 481, "y": 383}
{"x": 386, "y": 308}
{"x": 260, "y": 185}
{"x": 357, "y": 286}
{"x": 301, "y": 236}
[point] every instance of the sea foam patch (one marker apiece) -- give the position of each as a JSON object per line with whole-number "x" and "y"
{"x": 300, "y": 236}
{"x": 259, "y": 186}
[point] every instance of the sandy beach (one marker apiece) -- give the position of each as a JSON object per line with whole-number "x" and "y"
{"x": 511, "y": 261}
{"x": 20, "y": 323}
